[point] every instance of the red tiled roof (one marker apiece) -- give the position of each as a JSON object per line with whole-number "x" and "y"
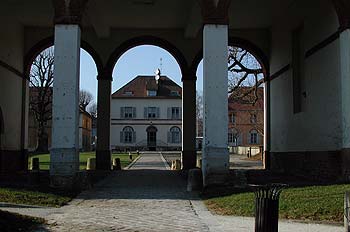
{"x": 139, "y": 85}
{"x": 238, "y": 105}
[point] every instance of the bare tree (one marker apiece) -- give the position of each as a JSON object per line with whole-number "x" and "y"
{"x": 40, "y": 82}
{"x": 245, "y": 76}
{"x": 85, "y": 97}
{"x": 199, "y": 113}
{"x": 93, "y": 110}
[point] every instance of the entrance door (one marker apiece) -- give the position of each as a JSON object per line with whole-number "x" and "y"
{"x": 151, "y": 138}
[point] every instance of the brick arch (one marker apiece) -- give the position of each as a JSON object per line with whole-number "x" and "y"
{"x": 242, "y": 43}
{"x": 146, "y": 40}
{"x": 48, "y": 42}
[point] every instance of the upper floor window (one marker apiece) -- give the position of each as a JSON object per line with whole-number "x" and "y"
{"x": 127, "y": 112}
{"x": 232, "y": 118}
{"x": 175, "y": 135}
{"x": 151, "y": 112}
{"x": 174, "y": 93}
{"x": 233, "y": 136}
{"x": 175, "y": 113}
{"x": 151, "y": 93}
{"x": 253, "y": 137}
{"x": 128, "y": 93}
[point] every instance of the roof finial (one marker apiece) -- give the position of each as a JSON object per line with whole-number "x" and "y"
{"x": 161, "y": 64}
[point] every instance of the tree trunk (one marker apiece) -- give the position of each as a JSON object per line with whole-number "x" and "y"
{"x": 43, "y": 145}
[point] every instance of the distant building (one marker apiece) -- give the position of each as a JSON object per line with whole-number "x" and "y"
{"x": 146, "y": 115}
{"x": 85, "y": 130}
{"x": 246, "y": 122}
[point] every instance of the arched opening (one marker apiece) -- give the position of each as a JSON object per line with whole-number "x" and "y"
{"x": 146, "y": 94}
{"x": 39, "y": 65}
{"x": 247, "y": 104}
{"x": 151, "y": 138}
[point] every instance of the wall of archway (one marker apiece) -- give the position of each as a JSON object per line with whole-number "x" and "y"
{"x": 304, "y": 138}
{"x": 48, "y": 42}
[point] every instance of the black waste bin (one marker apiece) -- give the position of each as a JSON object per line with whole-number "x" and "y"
{"x": 266, "y": 206}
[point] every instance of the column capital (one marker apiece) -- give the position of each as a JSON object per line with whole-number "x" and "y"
{"x": 215, "y": 11}
{"x": 68, "y": 11}
{"x": 104, "y": 75}
{"x": 342, "y": 8}
{"x": 189, "y": 77}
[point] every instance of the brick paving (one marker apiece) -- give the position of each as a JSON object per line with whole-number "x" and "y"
{"x": 145, "y": 198}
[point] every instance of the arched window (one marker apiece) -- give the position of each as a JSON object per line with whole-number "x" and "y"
{"x": 233, "y": 137}
{"x": 174, "y": 135}
{"x": 128, "y": 135}
{"x": 253, "y": 137}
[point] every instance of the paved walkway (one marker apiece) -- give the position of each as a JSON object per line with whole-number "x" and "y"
{"x": 148, "y": 197}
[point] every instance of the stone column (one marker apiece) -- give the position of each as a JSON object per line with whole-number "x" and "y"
{"x": 215, "y": 98}
{"x": 345, "y": 102}
{"x": 189, "y": 155}
{"x": 65, "y": 106}
{"x": 103, "y": 150}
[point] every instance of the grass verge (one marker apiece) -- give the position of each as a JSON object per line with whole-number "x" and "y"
{"x": 35, "y": 197}
{"x": 314, "y": 203}
{"x": 12, "y": 222}
{"x": 44, "y": 159}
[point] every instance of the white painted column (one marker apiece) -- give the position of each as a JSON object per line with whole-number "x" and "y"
{"x": 215, "y": 145}
{"x": 65, "y": 108}
{"x": 345, "y": 85}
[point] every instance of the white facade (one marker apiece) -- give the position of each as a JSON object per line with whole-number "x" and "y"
{"x": 165, "y": 119}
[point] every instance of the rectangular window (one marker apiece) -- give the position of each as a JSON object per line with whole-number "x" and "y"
{"x": 128, "y": 112}
{"x": 152, "y": 112}
{"x": 151, "y": 93}
{"x": 175, "y": 137}
{"x": 230, "y": 138}
{"x": 174, "y": 93}
{"x": 233, "y": 118}
{"x": 175, "y": 113}
{"x": 253, "y": 138}
{"x": 127, "y": 136}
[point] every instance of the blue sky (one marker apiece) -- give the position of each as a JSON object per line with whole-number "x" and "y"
{"x": 141, "y": 60}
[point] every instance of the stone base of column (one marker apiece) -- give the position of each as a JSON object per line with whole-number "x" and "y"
{"x": 64, "y": 161}
{"x": 103, "y": 160}
{"x": 215, "y": 165}
{"x": 188, "y": 159}
{"x": 77, "y": 182}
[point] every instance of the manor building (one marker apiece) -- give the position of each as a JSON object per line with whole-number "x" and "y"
{"x": 146, "y": 115}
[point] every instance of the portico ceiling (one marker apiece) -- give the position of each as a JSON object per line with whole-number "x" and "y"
{"x": 147, "y": 14}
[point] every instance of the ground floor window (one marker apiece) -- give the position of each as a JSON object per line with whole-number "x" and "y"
{"x": 127, "y": 135}
{"x": 174, "y": 135}
{"x": 253, "y": 137}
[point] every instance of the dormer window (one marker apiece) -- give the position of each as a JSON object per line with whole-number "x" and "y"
{"x": 174, "y": 93}
{"x": 128, "y": 93}
{"x": 151, "y": 93}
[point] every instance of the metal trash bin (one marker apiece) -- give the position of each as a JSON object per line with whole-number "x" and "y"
{"x": 266, "y": 206}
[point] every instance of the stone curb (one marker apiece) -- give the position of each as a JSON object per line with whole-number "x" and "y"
{"x": 13, "y": 205}
{"x": 164, "y": 161}
{"x": 133, "y": 162}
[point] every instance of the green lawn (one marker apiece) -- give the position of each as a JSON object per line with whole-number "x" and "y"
{"x": 319, "y": 203}
{"x": 44, "y": 159}
{"x": 34, "y": 197}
